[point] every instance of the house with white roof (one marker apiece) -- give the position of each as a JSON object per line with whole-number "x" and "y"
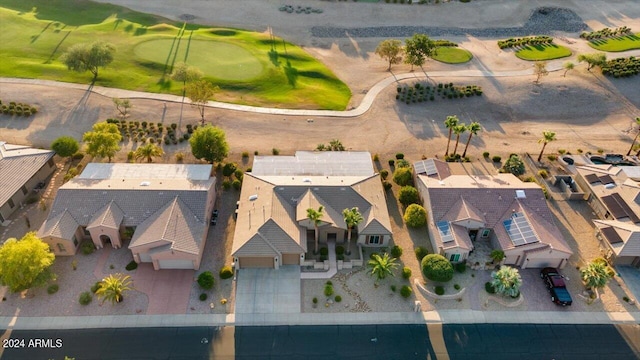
{"x": 163, "y": 208}
{"x": 22, "y": 168}
{"x": 613, "y": 192}
{"x": 272, "y": 227}
{"x": 509, "y": 214}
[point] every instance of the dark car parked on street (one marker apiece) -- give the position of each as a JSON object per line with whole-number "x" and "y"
{"x": 556, "y": 286}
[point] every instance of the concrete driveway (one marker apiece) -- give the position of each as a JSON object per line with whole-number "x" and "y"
{"x": 268, "y": 291}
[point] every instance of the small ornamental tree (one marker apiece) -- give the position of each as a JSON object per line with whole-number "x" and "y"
{"x": 209, "y": 143}
{"x": 25, "y": 263}
{"x": 408, "y": 195}
{"x": 103, "y": 140}
{"x": 89, "y": 57}
{"x": 65, "y": 146}
{"x": 436, "y": 267}
{"x": 402, "y": 176}
{"x": 391, "y": 51}
{"x": 506, "y": 281}
{"x": 415, "y": 216}
{"x": 514, "y": 165}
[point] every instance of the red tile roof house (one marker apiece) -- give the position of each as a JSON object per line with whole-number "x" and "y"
{"x": 21, "y": 170}
{"x": 614, "y": 195}
{"x": 510, "y": 214}
{"x": 166, "y": 207}
{"x": 272, "y": 224}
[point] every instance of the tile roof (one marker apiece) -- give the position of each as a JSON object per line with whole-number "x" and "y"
{"x": 18, "y": 164}
{"x": 173, "y": 224}
{"x": 109, "y": 216}
{"x": 63, "y": 225}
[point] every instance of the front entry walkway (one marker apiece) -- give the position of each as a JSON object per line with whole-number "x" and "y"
{"x": 268, "y": 291}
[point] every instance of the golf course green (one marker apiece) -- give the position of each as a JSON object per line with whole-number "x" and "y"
{"x": 250, "y": 68}
{"x": 542, "y": 52}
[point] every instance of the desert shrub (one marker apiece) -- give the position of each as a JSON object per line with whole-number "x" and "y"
{"x": 236, "y": 184}
{"x": 489, "y": 288}
{"x": 543, "y": 173}
{"x": 328, "y": 290}
{"x": 392, "y": 162}
{"x": 402, "y": 163}
{"x": 384, "y": 174}
{"x": 52, "y": 289}
{"x": 461, "y": 267}
{"x": 226, "y": 272}
{"x": 275, "y": 151}
{"x": 87, "y": 247}
{"x": 339, "y": 250}
{"x": 239, "y": 174}
{"x": 226, "y": 185}
{"x": 376, "y": 157}
{"x": 85, "y": 298}
{"x": 229, "y": 168}
{"x": 420, "y": 252}
{"x": 131, "y": 266}
{"x": 95, "y": 287}
{"x": 496, "y": 158}
{"x": 324, "y": 251}
{"x": 406, "y": 273}
{"x": 405, "y": 291}
{"x": 415, "y": 216}
{"x": 485, "y": 154}
{"x": 456, "y": 286}
{"x": 402, "y": 176}
{"x": 77, "y": 156}
{"x": 338, "y": 298}
{"x": 396, "y": 251}
{"x": 315, "y": 300}
{"x": 393, "y": 288}
{"x": 387, "y": 185}
{"x": 408, "y": 195}
{"x": 514, "y": 165}
{"x": 179, "y": 156}
{"x": 206, "y": 280}
{"x": 436, "y": 267}
{"x": 439, "y": 290}
{"x": 399, "y": 156}
{"x": 552, "y": 157}
{"x": 203, "y": 297}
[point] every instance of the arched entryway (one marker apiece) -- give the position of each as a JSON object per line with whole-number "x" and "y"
{"x": 105, "y": 239}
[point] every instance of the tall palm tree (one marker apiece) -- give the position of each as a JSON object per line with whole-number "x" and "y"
{"x": 352, "y": 217}
{"x": 596, "y": 274}
{"x": 113, "y": 287}
{"x": 148, "y": 152}
{"x": 506, "y": 281}
{"x": 381, "y": 266}
{"x": 636, "y": 137}
{"x": 547, "y": 137}
{"x": 473, "y": 129}
{"x": 458, "y": 130}
{"x": 450, "y": 123}
{"x": 314, "y": 216}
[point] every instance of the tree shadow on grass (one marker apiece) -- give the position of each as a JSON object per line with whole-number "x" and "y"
{"x": 291, "y": 73}
{"x": 34, "y": 38}
{"x": 55, "y": 50}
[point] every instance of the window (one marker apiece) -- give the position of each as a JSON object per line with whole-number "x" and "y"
{"x": 75, "y": 241}
{"x": 61, "y": 248}
{"x": 374, "y": 239}
{"x": 454, "y": 258}
{"x": 24, "y": 190}
{"x": 11, "y": 204}
{"x": 485, "y": 233}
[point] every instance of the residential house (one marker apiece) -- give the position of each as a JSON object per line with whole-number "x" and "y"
{"x": 509, "y": 214}
{"x": 22, "y": 169}
{"x": 272, "y": 227}
{"x": 614, "y": 195}
{"x": 163, "y": 209}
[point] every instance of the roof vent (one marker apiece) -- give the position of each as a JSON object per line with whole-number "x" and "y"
{"x": 520, "y": 194}
{"x": 307, "y": 180}
{"x": 610, "y": 186}
{"x": 145, "y": 183}
{"x": 253, "y": 197}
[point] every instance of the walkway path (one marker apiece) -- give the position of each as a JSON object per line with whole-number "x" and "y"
{"x": 333, "y": 266}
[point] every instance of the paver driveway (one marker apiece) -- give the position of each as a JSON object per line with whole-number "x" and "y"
{"x": 268, "y": 291}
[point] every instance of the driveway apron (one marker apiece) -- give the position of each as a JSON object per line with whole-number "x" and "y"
{"x": 268, "y": 291}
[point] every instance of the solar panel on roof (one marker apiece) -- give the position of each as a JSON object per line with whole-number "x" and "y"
{"x": 519, "y": 230}
{"x": 606, "y": 179}
{"x": 615, "y": 209}
{"x": 430, "y": 167}
{"x": 611, "y": 235}
{"x": 592, "y": 178}
{"x": 445, "y": 231}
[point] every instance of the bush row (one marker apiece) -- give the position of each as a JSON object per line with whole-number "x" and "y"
{"x": 605, "y": 33}
{"x": 530, "y": 40}
{"x": 20, "y": 109}
{"x": 147, "y": 131}
{"x": 622, "y": 67}
{"x": 299, "y": 9}
{"x": 420, "y": 92}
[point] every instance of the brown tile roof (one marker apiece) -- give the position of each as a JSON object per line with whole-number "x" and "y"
{"x": 109, "y": 216}
{"x": 63, "y": 226}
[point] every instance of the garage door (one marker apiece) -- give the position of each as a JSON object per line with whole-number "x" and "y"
{"x": 291, "y": 259}
{"x": 146, "y": 258}
{"x": 537, "y": 263}
{"x": 256, "y": 262}
{"x": 175, "y": 264}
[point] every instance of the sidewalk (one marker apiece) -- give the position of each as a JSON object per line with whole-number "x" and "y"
{"x": 443, "y": 316}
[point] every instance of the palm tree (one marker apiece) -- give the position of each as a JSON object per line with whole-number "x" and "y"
{"x": 473, "y": 129}
{"x": 314, "y": 216}
{"x": 352, "y": 217}
{"x": 381, "y": 266}
{"x": 506, "y": 281}
{"x": 636, "y": 137}
{"x": 596, "y": 274}
{"x": 450, "y": 123}
{"x": 547, "y": 137}
{"x": 458, "y": 130}
{"x": 148, "y": 152}
{"x": 113, "y": 287}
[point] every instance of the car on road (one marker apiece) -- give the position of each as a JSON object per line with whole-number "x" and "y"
{"x": 556, "y": 286}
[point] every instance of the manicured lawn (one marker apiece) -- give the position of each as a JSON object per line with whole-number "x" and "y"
{"x": 621, "y": 43}
{"x": 453, "y": 55}
{"x": 249, "y": 67}
{"x": 542, "y": 52}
